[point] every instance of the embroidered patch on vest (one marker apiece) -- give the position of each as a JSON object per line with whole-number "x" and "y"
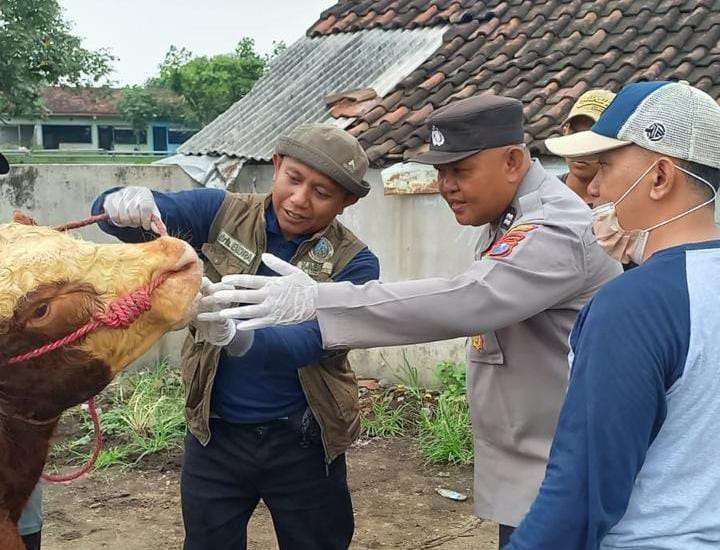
{"x": 322, "y": 251}
{"x": 236, "y": 248}
{"x": 510, "y": 240}
{"x": 478, "y": 342}
{"x": 314, "y": 268}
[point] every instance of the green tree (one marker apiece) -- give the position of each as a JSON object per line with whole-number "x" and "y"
{"x": 142, "y": 105}
{"x": 38, "y": 49}
{"x": 210, "y": 85}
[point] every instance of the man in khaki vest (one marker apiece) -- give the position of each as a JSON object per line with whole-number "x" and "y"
{"x": 270, "y": 414}
{"x": 537, "y": 264}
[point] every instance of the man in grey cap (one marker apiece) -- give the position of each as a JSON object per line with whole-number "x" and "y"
{"x": 537, "y": 264}
{"x": 281, "y": 411}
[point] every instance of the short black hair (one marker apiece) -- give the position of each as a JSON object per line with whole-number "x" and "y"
{"x": 708, "y": 173}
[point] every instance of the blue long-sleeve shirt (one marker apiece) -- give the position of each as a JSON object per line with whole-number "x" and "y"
{"x": 263, "y": 384}
{"x": 633, "y": 462}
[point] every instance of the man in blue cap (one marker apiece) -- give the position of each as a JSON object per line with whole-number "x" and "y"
{"x": 634, "y": 459}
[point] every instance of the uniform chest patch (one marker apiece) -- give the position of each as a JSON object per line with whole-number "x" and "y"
{"x": 236, "y": 248}
{"x": 510, "y": 240}
{"x": 322, "y": 251}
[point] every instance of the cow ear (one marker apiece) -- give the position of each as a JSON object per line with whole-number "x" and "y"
{"x": 24, "y": 219}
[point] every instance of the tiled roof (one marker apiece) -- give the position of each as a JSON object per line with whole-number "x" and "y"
{"x": 543, "y": 53}
{"x": 66, "y": 101}
{"x": 299, "y": 84}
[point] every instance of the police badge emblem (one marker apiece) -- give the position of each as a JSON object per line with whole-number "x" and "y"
{"x": 438, "y": 139}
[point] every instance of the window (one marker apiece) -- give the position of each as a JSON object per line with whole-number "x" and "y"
{"x": 55, "y": 134}
{"x": 180, "y": 136}
{"x": 126, "y": 136}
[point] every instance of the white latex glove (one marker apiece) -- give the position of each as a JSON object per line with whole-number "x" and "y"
{"x": 286, "y": 300}
{"x": 132, "y": 207}
{"x": 218, "y": 332}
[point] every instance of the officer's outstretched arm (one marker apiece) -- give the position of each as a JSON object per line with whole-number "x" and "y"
{"x": 533, "y": 268}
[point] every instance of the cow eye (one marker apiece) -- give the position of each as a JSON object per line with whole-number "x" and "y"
{"x": 41, "y": 311}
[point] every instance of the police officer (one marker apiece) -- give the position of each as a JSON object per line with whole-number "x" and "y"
{"x": 537, "y": 264}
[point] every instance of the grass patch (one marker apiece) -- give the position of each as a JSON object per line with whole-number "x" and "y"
{"x": 410, "y": 379}
{"x": 86, "y": 158}
{"x": 142, "y": 413}
{"x": 445, "y": 430}
{"x": 440, "y": 420}
{"x": 384, "y": 420}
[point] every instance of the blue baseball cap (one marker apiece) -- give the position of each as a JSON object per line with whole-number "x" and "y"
{"x": 670, "y": 118}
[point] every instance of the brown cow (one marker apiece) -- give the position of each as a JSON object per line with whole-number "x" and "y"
{"x": 50, "y": 285}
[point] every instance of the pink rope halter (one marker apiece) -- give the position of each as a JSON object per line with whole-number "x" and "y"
{"x": 120, "y": 314}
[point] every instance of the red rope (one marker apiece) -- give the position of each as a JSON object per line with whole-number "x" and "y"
{"x": 157, "y": 224}
{"x": 97, "y": 447}
{"x": 120, "y": 314}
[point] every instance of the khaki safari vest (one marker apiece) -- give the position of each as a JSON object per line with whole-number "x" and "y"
{"x": 235, "y": 244}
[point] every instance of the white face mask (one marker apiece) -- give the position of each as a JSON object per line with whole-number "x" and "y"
{"x": 629, "y": 246}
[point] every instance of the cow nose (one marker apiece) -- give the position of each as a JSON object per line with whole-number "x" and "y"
{"x": 187, "y": 258}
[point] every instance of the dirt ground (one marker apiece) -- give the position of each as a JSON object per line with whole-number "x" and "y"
{"x": 394, "y": 497}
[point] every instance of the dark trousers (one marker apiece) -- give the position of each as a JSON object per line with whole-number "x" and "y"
{"x": 32, "y": 542}
{"x": 222, "y": 484}
{"x": 505, "y": 533}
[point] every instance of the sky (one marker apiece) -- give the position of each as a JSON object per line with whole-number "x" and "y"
{"x": 139, "y": 32}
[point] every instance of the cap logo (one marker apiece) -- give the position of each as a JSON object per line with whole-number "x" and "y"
{"x": 655, "y": 132}
{"x": 438, "y": 139}
{"x": 350, "y": 165}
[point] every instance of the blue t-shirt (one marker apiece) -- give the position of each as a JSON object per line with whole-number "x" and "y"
{"x": 634, "y": 460}
{"x": 263, "y": 384}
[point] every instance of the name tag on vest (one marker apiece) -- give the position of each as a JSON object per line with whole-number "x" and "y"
{"x": 236, "y": 248}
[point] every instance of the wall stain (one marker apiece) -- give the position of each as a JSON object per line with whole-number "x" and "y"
{"x": 18, "y": 187}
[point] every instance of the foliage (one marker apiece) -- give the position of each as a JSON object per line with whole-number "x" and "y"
{"x": 141, "y": 106}
{"x": 143, "y": 415}
{"x": 446, "y": 431}
{"x": 210, "y": 85}
{"x": 452, "y": 378}
{"x": 410, "y": 379}
{"x": 384, "y": 420}
{"x": 39, "y": 50}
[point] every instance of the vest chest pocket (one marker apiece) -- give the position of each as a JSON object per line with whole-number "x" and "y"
{"x": 222, "y": 260}
{"x": 485, "y": 348}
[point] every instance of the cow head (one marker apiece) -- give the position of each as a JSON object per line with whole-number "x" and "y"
{"x": 52, "y": 283}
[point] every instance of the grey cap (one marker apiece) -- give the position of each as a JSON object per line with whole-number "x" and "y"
{"x": 4, "y": 166}
{"x": 329, "y": 150}
{"x": 471, "y": 125}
